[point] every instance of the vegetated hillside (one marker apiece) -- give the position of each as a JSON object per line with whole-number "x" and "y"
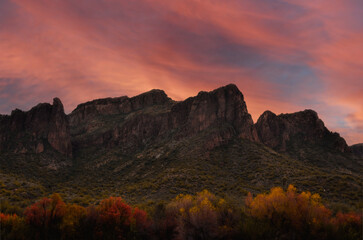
{"x": 150, "y": 148}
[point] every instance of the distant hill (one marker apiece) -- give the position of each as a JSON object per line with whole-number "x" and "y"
{"x": 149, "y": 148}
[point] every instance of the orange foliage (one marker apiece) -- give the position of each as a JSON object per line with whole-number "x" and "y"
{"x": 289, "y": 207}
{"x": 5, "y": 218}
{"x": 113, "y": 211}
{"x": 347, "y": 222}
{"x": 274, "y": 215}
{"x": 116, "y": 217}
{"x": 11, "y": 226}
{"x": 140, "y": 219}
{"x": 46, "y": 211}
{"x": 342, "y": 219}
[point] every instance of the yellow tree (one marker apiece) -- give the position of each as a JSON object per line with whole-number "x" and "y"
{"x": 203, "y": 216}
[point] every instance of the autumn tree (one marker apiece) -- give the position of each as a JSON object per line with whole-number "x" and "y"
{"x": 114, "y": 218}
{"x": 296, "y": 214}
{"x": 140, "y": 224}
{"x": 45, "y": 217}
{"x": 203, "y": 216}
{"x": 277, "y": 214}
{"x": 117, "y": 220}
{"x": 347, "y": 226}
{"x": 12, "y": 226}
{"x": 71, "y": 225}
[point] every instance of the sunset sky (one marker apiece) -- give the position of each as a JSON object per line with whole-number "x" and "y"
{"x": 284, "y": 56}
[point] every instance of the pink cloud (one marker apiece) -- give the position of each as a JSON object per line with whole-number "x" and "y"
{"x": 285, "y": 56}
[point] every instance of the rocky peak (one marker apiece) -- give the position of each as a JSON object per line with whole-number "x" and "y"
{"x": 303, "y": 127}
{"x": 31, "y": 131}
{"x": 269, "y": 128}
{"x": 268, "y": 116}
{"x": 59, "y": 135}
{"x": 151, "y": 117}
{"x": 155, "y": 96}
{"x": 58, "y": 105}
{"x": 119, "y": 105}
{"x": 220, "y": 106}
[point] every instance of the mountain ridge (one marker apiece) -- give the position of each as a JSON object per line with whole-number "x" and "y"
{"x": 41, "y": 125}
{"x": 271, "y": 129}
{"x": 150, "y": 147}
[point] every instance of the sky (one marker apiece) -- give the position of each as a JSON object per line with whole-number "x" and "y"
{"x": 284, "y": 55}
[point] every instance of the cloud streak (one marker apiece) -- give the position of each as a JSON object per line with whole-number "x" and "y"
{"x": 284, "y": 56}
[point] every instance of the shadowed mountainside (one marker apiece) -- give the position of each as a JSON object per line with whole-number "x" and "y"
{"x": 150, "y": 147}
{"x": 131, "y": 123}
{"x": 357, "y": 149}
{"x": 300, "y": 128}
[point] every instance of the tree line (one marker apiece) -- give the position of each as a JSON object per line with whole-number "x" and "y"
{"x": 278, "y": 214}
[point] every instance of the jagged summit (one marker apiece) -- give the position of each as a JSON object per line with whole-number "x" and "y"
{"x": 277, "y": 131}
{"x": 231, "y": 88}
{"x": 152, "y": 116}
{"x": 32, "y": 130}
{"x": 57, "y": 103}
{"x": 225, "y": 104}
{"x": 150, "y": 95}
{"x": 118, "y": 105}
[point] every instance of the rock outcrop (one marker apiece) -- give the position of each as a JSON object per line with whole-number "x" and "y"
{"x": 224, "y": 105}
{"x": 120, "y": 105}
{"x": 305, "y": 127}
{"x": 44, "y": 125}
{"x": 123, "y": 121}
{"x": 153, "y": 116}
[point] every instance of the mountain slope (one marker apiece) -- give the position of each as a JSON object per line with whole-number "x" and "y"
{"x": 286, "y": 130}
{"x": 131, "y": 123}
{"x": 150, "y": 148}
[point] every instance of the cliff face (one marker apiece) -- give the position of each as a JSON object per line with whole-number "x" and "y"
{"x": 303, "y": 127}
{"x": 223, "y": 105}
{"x": 123, "y": 121}
{"x": 121, "y": 105}
{"x": 152, "y": 116}
{"x": 33, "y": 131}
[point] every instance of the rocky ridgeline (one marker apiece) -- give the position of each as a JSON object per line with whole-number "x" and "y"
{"x": 33, "y": 131}
{"x": 120, "y": 105}
{"x": 151, "y": 116}
{"x": 276, "y": 131}
{"x": 223, "y": 106}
